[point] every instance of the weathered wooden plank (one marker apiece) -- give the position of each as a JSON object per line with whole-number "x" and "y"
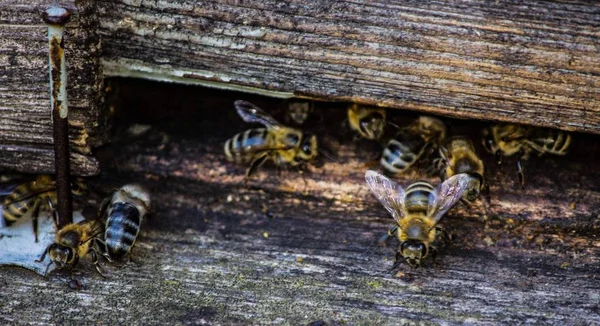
{"x": 276, "y": 251}
{"x": 533, "y": 63}
{"x": 25, "y": 120}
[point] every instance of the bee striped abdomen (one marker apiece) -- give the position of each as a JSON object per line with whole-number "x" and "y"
{"x": 417, "y": 197}
{"x": 240, "y": 147}
{"x": 122, "y": 228}
{"x": 401, "y": 153}
{"x": 15, "y": 207}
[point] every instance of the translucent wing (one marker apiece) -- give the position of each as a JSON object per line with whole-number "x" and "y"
{"x": 252, "y": 113}
{"x": 388, "y": 192}
{"x": 446, "y": 195}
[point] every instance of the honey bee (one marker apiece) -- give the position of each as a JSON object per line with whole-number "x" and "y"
{"x": 511, "y": 139}
{"x": 73, "y": 241}
{"x": 298, "y": 111}
{"x": 459, "y": 156}
{"x": 368, "y": 121}
{"x": 124, "y": 213}
{"x": 283, "y": 145}
{"x": 29, "y": 198}
{"x": 416, "y": 211}
{"x": 412, "y": 142}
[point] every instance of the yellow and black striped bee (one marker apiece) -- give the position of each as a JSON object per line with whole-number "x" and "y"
{"x": 276, "y": 142}
{"x": 416, "y": 211}
{"x": 459, "y": 156}
{"x": 124, "y": 213}
{"x": 29, "y": 198}
{"x": 368, "y": 121}
{"x": 411, "y": 143}
{"x": 74, "y": 241}
{"x": 511, "y": 139}
{"x": 298, "y": 111}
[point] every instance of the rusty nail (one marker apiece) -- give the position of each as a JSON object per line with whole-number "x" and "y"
{"x": 56, "y": 18}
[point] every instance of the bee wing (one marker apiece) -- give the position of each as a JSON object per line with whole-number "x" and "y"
{"x": 389, "y": 193}
{"x": 446, "y": 195}
{"x": 252, "y": 113}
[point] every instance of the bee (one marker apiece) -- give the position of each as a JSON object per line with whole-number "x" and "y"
{"x": 368, "y": 121}
{"x": 276, "y": 142}
{"x": 511, "y": 139}
{"x": 29, "y": 198}
{"x": 416, "y": 211}
{"x": 459, "y": 156}
{"x": 124, "y": 213}
{"x": 412, "y": 142}
{"x": 73, "y": 241}
{"x": 298, "y": 111}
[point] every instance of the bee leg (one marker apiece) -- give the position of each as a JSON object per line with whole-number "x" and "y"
{"x": 103, "y": 208}
{"x": 43, "y": 256}
{"x": 486, "y": 192}
{"x": 95, "y": 262}
{"x": 521, "y": 175}
{"x": 101, "y": 247}
{"x": 254, "y": 165}
{"x": 34, "y": 217}
{"x": 433, "y": 251}
{"x": 382, "y": 242}
{"x": 445, "y": 236}
{"x": 52, "y": 210}
{"x": 397, "y": 261}
{"x": 498, "y": 157}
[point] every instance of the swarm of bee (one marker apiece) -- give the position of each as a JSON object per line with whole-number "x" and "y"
{"x": 423, "y": 145}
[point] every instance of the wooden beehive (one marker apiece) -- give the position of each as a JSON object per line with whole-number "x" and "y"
{"x": 532, "y": 63}
{"x": 280, "y": 251}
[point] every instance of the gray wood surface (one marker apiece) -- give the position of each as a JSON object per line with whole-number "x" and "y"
{"x": 278, "y": 251}
{"x": 534, "y": 63}
{"x": 25, "y": 119}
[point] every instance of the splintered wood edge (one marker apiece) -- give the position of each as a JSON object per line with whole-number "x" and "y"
{"x": 130, "y": 68}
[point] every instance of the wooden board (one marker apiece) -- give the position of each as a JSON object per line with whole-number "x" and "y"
{"x": 25, "y": 120}
{"x": 534, "y": 63}
{"x": 280, "y": 251}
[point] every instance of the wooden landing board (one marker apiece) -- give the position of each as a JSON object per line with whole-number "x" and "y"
{"x": 282, "y": 251}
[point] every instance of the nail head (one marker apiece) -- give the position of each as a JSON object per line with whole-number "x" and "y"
{"x": 56, "y": 16}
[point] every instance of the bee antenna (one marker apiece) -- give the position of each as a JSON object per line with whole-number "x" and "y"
{"x": 47, "y": 267}
{"x": 329, "y": 156}
{"x": 389, "y": 123}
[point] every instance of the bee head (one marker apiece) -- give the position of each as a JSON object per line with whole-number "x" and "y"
{"x": 373, "y": 125}
{"x": 413, "y": 251}
{"x": 299, "y": 111}
{"x": 62, "y": 256}
{"x": 474, "y": 186}
{"x": 308, "y": 149}
{"x": 489, "y": 143}
{"x": 79, "y": 187}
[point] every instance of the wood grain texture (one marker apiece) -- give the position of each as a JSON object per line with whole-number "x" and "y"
{"x": 25, "y": 119}
{"x": 534, "y": 63}
{"x": 279, "y": 251}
